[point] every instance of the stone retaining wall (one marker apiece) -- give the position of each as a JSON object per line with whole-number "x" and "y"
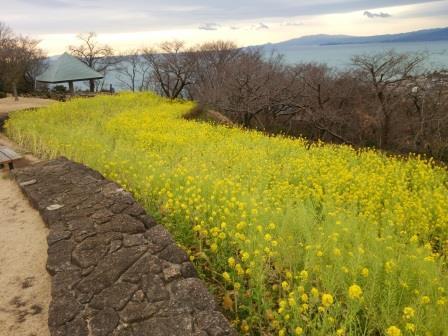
{"x": 114, "y": 270}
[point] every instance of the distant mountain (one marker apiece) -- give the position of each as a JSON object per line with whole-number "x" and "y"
{"x": 438, "y": 34}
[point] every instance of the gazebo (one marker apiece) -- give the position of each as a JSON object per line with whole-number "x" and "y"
{"x": 68, "y": 68}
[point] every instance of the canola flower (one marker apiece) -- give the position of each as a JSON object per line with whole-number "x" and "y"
{"x": 327, "y": 300}
{"x": 354, "y": 292}
{"x": 298, "y": 331}
{"x": 408, "y": 313}
{"x": 340, "y": 332}
{"x": 312, "y": 240}
{"x": 393, "y": 331}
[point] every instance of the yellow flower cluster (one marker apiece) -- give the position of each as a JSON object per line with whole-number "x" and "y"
{"x": 393, "y": 331}
{"x": 296, "y": 239}
{"x": 354, "y": 292}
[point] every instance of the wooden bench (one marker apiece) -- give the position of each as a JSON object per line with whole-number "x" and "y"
{"x": 8, "y": 156}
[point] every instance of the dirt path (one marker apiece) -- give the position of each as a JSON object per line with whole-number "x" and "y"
{"x": 9, "y": 104}
{"x": 24, "y": 281}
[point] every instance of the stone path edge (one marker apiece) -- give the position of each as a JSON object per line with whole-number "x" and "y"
{"x": 114, "y": 270}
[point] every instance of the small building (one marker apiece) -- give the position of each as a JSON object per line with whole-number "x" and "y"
{"x": 68, "y": 69}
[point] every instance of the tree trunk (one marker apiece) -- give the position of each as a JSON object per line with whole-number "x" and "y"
{"x": 385, "y": 127}
{"x": 92, "y": 85}
{"x": 247, "y": 118}
{"x": 14, "y": 91}
{"x": 384, "y": 131}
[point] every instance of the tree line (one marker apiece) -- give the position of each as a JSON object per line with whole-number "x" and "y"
{"x": 386, "y": 100}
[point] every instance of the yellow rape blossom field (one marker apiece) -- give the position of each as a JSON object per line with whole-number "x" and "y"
{"x": 293, "y": 239}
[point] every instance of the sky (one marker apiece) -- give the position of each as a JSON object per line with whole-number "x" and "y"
{"x": 131, "y": 24}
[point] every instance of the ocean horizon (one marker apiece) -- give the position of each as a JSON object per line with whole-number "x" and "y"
{"x": 339, "y": 56}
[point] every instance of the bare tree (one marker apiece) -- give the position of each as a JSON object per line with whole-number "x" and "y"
{"x": 5, "y": 32}
{"x": 322, "y": 99}
{"x": 386, "y": 73}
{"x": 5, "y": 43}
{"x": 20, "y": 59}
{"x": 99, "y": 57}
{"x": 133, "y": 71}
{"x": 426, "y": 105}
{"x": 214, "y": 60}
{"x": 255, "y": 89}
{"x": 172, "y": 68}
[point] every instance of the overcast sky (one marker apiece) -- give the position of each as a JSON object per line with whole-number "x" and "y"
{"x": 138, "y": 23}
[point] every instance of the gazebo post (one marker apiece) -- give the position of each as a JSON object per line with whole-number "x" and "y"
{"x": 71, "y": 88}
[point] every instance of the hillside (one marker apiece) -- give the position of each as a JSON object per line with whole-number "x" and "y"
{"x": 437, "y": 34}
{"x": 294, "y": 240}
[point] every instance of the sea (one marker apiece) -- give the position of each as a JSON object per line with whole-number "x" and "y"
{"x": 339, "y": 56}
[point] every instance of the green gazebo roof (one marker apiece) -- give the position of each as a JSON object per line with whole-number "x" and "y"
{"x": 68, "y": 68}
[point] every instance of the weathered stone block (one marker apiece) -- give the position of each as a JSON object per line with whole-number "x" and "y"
{"x": 181, "y": 325}
{"x": 147, "y": 264}
{"x": 62, "y": 310}
{"x": 116, "y": 296}
{"x": 192, "y": 293}
{"x": 77, "y": 327}
{"x": 110, "y": 269}
{"x": 138, "y": 311}
{"x": 56, "y": 235}
{"x": 102, "y": 216}
{"x": 188, "y": 270}
{"x": 134, "y": 240}
{"x": 60, "y": 256}
{"x": 213, "y": 323}
{"x": 154, "y": 288}
{"x": 104, "y": 323}
{"x": 122, "y": 223}
{"x": 159, "y": 236}
{"x": 89, "y": 251}
{"x": 174, "y": 254}
{"x": 171, "y": 272}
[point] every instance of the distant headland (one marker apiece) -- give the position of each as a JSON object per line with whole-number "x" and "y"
{"x": 429, "y": 35}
